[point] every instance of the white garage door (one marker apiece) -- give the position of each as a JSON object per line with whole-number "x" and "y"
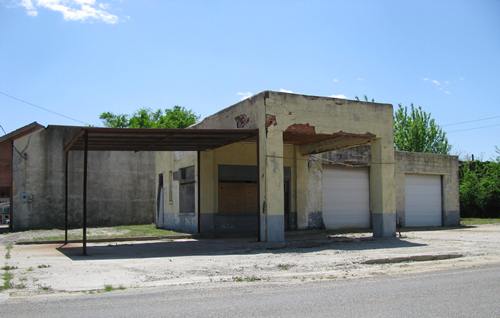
{"x": 346, "y": 198}
{"x": 423, "y": 200}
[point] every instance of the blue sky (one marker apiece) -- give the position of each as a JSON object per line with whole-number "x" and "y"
{"x": 83, "y": 57}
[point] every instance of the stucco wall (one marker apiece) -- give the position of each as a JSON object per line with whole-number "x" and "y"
{"x": 241, "y": 153}
{"x": 167, "y": 163}
{"x": 433, "y": 164}
{"x": 328, "y": 116}
{"x": 273, "y": 113}
{"x": 120, "y": 184}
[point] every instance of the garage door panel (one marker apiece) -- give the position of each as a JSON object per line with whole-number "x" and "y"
{"x": 423, "y": 205}
{"x": 346, "y": 202}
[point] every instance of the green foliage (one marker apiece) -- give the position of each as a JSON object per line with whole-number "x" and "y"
{"x": 480, "y": 189}
{"x": 176, "y": 117}
{"x": 415, "y": 130}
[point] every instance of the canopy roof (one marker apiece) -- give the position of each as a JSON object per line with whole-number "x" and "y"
{"x": 156, "y": 139}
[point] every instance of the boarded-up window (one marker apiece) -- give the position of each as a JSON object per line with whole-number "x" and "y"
{"x": 186, "y": 190}
{"x": 237, "y": 189}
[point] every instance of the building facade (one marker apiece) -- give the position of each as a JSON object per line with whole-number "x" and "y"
{"x": 318, "y": 163}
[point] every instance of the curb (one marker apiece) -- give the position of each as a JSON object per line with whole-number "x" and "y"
{"x": 412, "y": 258}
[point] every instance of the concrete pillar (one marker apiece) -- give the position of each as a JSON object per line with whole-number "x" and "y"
{"x": 272, "y": 217}
{"x": 208, "y": 191}
{"x": 309, "y": 192}
{"x": 451, "y": 200}
{"x": 382, "y": 188}
{"x": 302, "y": 177}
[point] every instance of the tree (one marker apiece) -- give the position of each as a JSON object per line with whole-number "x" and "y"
{"x": 176, "y": 117}
{"x": 415, "y": 130}
{"x": 479, "y": 188}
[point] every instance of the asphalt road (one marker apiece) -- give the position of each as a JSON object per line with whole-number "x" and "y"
{"x": 465, "y": 293}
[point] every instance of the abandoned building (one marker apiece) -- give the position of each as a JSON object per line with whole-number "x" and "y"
{"x": 313, "y": 162}
{"x": 272, "y": 163}
{"x": 120, "y": 189}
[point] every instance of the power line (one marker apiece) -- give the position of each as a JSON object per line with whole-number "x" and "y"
{"x": 41, "y": 107}
{"x": 471, "y": 121}
{"x": 458, "y": 130}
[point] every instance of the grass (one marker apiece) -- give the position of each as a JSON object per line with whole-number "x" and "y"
{"x": 110, "y": 288}
{"x": 7, "y": 280}
{"x": 7, "y": 276}
{"x": 285, "y": 267}
{"x": 241, "y": 279}
{"x": 122, "y": 231}
{"x": 45, "y": 288}
{"x": 9, "y": 249}
{"x": 478, "y": 221}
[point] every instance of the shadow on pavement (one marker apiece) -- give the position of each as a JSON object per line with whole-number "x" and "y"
{"x": 213, "y": 247}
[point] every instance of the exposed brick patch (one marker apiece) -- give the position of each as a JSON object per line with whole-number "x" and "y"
{"x": 303, "y": 129}
{"x": 242, "y": 120}
{"x": 271, "y": 120}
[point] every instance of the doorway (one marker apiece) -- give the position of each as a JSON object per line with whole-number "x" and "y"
{"x": 160, "y": 201}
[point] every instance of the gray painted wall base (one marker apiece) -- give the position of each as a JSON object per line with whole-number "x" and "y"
{"x": 275, "y": 228}
{"x": 452, "y": 218}
{"x": 185, "y": 222}
{"x": 207, "y": 223}
{"x": 384, "y": 224}
{"x": 215, "y": 223}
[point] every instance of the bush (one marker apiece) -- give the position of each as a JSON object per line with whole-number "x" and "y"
{"x": 480, "y": 189}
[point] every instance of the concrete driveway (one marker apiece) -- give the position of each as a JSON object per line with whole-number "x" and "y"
{"x": 41, "y": 269}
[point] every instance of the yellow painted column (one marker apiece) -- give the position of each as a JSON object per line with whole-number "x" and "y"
{"x": 207, "y": 191}
{"x": 382, "y": 188}
{"x": 272, "y": 217}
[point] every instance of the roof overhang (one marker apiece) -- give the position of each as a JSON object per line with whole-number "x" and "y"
{"x": 18, "y": 133}
{"x": 156, "y": 139}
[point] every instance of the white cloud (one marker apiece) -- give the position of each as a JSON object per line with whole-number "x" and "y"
{"x": 336, "y": 80}
{"x": 442, "y": 86}
{"x": 29, "y": 7}
{"x": 342, "y": 96}
{"x": 72, "y": 10}
{"x": 436, "y": 82}
{"x": 360, "y": 79}
{"x": 282, "y": 90}
{"x": 244, "y": 95}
